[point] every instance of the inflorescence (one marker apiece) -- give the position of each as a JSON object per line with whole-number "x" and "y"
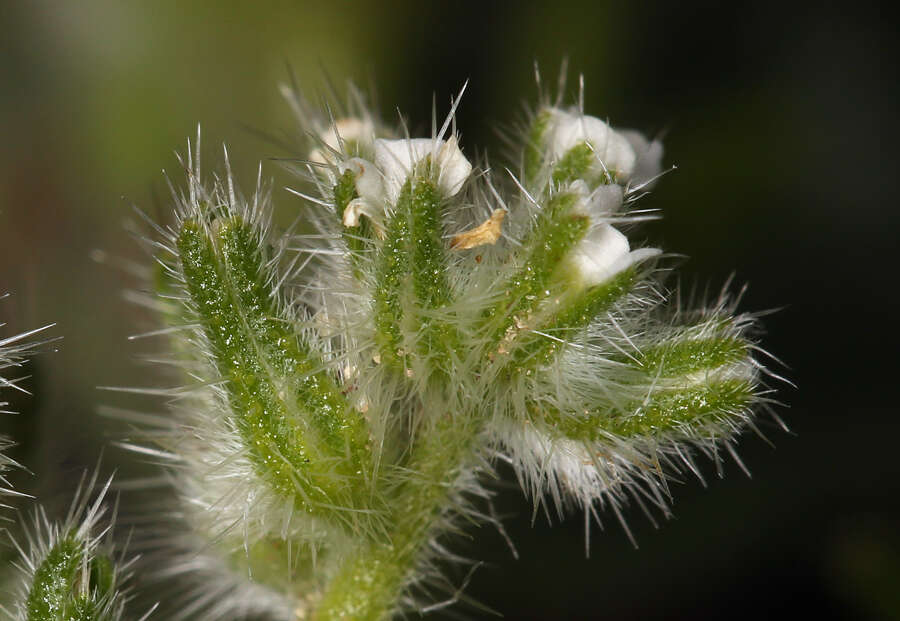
{"x": 345, "y": 388}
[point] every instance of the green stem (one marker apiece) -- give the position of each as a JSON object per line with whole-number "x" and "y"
{"x": 369, "y": 585}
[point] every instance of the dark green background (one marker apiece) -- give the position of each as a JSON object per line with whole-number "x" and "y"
{"x": 779, "y": 118}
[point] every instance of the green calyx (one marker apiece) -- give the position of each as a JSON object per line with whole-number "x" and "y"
{"x": 565, "y": 317}
{"x": 58, "y": 592}
{"x": 358, "y": 239}
{"x": 577, "y": 163}
{"x": 534, "y": 145}
{"x": 301, "y": 434}
{"x": 691, "y": 391}
{"x": 411, "y": 272}
{"x": 558, "y": 229}
{"x": 543, "y": 304}
{"x": 684, "y": 356}
{"x": 684, "y": 411}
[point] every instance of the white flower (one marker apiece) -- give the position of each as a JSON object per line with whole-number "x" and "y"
{"x": 397, "y": 158}
{"x": 350, "y": 130}
{"x": 613, "y": 151}
{"x": 605, "y": 252}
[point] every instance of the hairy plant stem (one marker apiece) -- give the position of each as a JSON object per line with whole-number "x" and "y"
{"x": 369, "y": 584}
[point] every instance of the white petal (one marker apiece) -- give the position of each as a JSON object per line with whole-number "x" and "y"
{"x": 349, "y": 129}
{"x": 605, "y": 201}
{"x": 603, "y": 253}
{"x": 397, "y": 158}
{"x": 455, "y": 168}
{"x": 367, "y": 178}
{"x": 579, "y": 187}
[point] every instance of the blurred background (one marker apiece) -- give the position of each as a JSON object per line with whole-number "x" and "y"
{"x": 776, "y": 116}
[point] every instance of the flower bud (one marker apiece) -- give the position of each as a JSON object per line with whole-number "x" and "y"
{"x": 351, "y": 130}
{"x": 398, "y": 158}
{"x": 614, "y": 153}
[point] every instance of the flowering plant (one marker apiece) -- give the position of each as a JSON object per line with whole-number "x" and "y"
{"x": 346, "y": 388}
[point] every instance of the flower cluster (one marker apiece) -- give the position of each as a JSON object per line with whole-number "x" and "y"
{"x": 344, "y": 388}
